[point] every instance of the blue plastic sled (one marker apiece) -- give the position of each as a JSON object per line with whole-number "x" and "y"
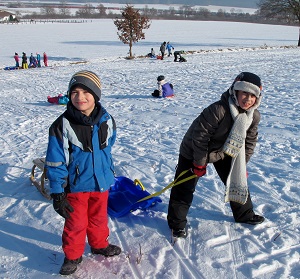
{"x": 9, "y": 68}
{"x": 124, "y": 196}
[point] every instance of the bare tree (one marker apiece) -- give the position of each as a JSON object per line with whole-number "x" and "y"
{"x": 86, "y": 10}
{"x": 145, "y": 11}
{"x": 102, "y": 10}
{"x": 153, "y": 12}
{"x": 48, "y": 11}
{"x": 221, "y": 13}
{"x": 204, "y": 12}
{"x": 63, "y": 9}
{"x": 171, "y": 12}
{"x": 130, "y": 26}
{"x": 288, "y": 10}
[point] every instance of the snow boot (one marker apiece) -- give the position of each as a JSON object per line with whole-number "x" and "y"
{"x": 254, "y": 220}
{"x": 69, "y": 266}
{"x": 180, "y": 233}
{"x": 110, "y": 251}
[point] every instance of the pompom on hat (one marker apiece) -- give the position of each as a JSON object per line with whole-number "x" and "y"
{"x": 89, "y": 81}
{"x": 248, "y": 82}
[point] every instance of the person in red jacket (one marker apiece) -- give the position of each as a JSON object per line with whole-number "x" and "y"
{"x": 45, "y": 59}
{"x": 17, "y": 60}
{"x": 224, "y": 134}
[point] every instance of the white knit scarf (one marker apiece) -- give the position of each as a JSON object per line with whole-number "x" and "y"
{"x": 234, "y": 146}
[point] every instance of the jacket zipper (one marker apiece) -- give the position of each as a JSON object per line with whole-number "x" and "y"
{"x": 91, "y": 148}
{"x": 77, "y": 174}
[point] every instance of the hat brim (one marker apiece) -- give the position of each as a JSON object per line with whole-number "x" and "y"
{"x": 247, "y": 87}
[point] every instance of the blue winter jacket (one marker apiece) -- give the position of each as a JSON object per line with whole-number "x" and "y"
{"x": 169, "y": 47}
{"x": 165, "y": 89}
{"x": 79, "y": 156}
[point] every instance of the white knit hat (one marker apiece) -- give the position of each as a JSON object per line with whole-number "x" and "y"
{"x": 248, "y": 82}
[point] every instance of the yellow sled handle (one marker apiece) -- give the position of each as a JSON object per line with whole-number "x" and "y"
{"x": 172, "y": 184}
{"x": 138, "y": 182}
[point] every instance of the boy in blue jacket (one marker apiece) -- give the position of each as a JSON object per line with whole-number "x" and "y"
{"x": 80, "y": 170}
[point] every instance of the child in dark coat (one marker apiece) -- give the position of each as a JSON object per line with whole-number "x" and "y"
{"x": 178, "y": 56}
{"x": 24, "y": 61}
{"x": 224, "y": 134}
{"x": 80, "y": 170}
{"x": 163, "y": 50}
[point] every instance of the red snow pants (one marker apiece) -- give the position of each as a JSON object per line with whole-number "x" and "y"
{"x": 88, "y": 219}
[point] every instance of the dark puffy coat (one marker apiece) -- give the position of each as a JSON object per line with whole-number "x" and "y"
{"x": 206, "y": 136}
{"x": 162, "y": 48}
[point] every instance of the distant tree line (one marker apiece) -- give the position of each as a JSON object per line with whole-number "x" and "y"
{"x": 62, "y": 10}
{"x": 228, "y": 3}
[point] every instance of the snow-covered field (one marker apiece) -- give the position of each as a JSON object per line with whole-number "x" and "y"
{"x": 97, "y": 39}
{"x": 149, "y": 134}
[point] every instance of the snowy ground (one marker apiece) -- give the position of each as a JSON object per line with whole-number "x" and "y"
{"x": 149, "y": 135}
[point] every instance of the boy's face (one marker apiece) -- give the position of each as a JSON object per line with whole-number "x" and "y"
{"x": 82, "y": 100}
{"x": 245, "y": 99}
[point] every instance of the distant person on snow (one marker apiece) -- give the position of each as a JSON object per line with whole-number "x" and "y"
{"x": 151, "y": 54}
{"x": 17, "y": 60}
{"x": 224, "y": 134}
{"x": 178, "y": 56}
{"x": 162, "y": 50}
{"x": 24, "y": 61}
{"x": 32, "y": 61}
{"x": 80, "y": 170}
{"x": 45, "y": 59}
{"x": 165, "y": 89}
{"x": 169, "y": 48}
{"x": 38, "y": 59}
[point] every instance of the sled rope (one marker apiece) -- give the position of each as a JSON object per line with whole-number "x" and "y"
{"x": 172, "y": 184}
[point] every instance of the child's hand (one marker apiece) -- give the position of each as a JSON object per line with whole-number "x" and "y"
{"x": 61, "y": 205}
{"x": 198, "y": 170}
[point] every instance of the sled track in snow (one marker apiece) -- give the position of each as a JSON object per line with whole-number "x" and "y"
{"x": 235, "y": 247}
{"x": 184, "y": 251}
{"x": 126, "y": 248}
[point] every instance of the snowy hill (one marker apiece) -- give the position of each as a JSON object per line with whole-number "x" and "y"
{"x": 149, "y": 134}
